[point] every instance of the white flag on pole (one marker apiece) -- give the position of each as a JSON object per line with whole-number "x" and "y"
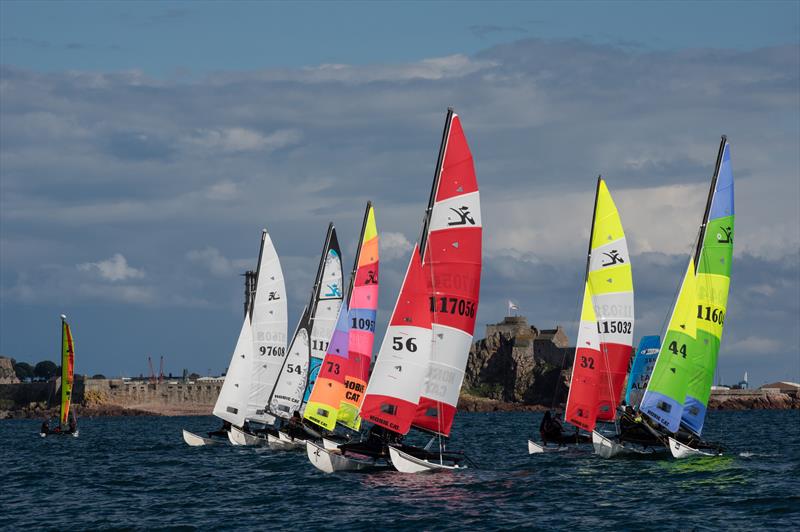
{"x": 512, "y": 306}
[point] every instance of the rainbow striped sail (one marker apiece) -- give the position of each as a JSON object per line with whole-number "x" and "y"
{"x": 339, "y": 389}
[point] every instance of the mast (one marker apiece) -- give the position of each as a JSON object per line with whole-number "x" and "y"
{"x": 358, "y": 252}
{"x": 436, "y": 176}
{"x": 312, "y": 304}
{"x": 591, "y": 231}
{"x": 258, "y": 267}
{"x": 711, "y": 189}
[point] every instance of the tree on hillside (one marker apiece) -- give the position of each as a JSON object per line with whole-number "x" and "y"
{"x": 23, "y": 370}
{"x": 46, "y": 369}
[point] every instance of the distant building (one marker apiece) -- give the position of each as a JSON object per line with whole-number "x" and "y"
{"x": 790, "y": 388}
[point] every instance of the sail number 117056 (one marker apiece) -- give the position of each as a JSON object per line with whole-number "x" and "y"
{"x": 453, "y": 305}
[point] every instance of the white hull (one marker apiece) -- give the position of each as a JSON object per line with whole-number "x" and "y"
{"x": 605, "y": 447}
{"x": 330, "y": 461}
{"x": 405, "y": 463}
{"x": 193, "y": 440}
{"x": 284, "y": 442}
{"x": 680, "y": 450}
{"x": 330, "y": 445}
{"x": 239, "y": 437}
{"x": 536, "y": 448}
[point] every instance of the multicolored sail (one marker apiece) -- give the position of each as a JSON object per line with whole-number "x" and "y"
{"x": 642, "y": 368}
{"x": 403, "y": 360}
{"x": 663, "y": 399}
{"x": 363, "y": 307}
{"x": 67, "y": 370}
{"x": 269, "y": 322}
{"x": 339, "y": 388}
{"x": 602, "y": 356}
{"x": 713, "y": 259}
{"x": 312, "y": 334}
{"x": 451, "y": 243}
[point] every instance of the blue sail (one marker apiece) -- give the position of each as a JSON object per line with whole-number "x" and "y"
{"x": 641, "y": 369}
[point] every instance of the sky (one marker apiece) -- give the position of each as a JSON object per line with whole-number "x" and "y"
{"x": 143, "y": 146}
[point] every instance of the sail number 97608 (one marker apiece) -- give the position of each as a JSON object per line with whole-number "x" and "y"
{"x": 271, "y": 350}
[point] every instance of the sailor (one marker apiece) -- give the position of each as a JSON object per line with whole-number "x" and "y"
{"x": 223, "y": 431}
{"x": 295, "y": 427}
{"x": 45, "y": 427}
{"x": 550, "y": 428}
{"x": 73, "y": 423}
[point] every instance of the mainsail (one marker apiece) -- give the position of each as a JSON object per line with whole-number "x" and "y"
{"x": 67, "y": 370}
{"x": 602, "y": 355}
{"x": 713, "y": 259}
{"x": 339, "y": 388}
{"x": 679, "y": 389}
{"x": 268, "y": 319}
{"x": 312, "y": 334}
{"x": 249, "y": 370}
{"x": 451, "y": 261}
{"x": 398, "y": 376}
{"x": 641, "y": 369}
{"x": 663, "y": 399}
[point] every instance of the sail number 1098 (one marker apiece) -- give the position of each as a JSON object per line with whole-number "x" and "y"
{"x": 453, "y": 305}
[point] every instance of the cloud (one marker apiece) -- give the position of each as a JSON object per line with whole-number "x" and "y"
{"x": 113, "y": 269}
{"x": 483, "y": 30}
{"x": 186, "y": 173}
{"x": 216, "y": 263}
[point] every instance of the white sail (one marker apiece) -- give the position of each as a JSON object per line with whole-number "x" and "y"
{"x": 269, "y": 323}
{"x": 231, "y": 403}
{"x": 312, "y": 335}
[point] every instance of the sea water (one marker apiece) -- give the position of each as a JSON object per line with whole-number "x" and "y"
{"x": 137, "y": 473}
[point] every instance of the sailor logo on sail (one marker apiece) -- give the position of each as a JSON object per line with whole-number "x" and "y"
{"x": 273, "y": 296}
{"x": 614, "y": 257}
{"x": 727, "y": 235}
{"x": 333, "y": 290}
{"x": 371, "y": 278}
{"x": 463, "y": 215}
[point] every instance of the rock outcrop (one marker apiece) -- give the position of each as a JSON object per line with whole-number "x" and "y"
{"x": 518, "y": 363}
{"x": 7, "y": 373}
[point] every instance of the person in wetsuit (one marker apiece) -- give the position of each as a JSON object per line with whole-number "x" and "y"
{"x": 221, "y": 432}
{"x": 45, "y": 429}
{"x": 551, "y": 431}
{"x": 73, "y": 423}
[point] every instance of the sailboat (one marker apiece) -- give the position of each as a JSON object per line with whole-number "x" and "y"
{"x": 256, "y": 359}
{"x": 420, "y": 366}
{"x": 338, "y": 391}
{"x": 605, "y": 335}
{"x": 67, "y": 422}
{"x": 307, "y": 348}
{"x": 676, "y": 397}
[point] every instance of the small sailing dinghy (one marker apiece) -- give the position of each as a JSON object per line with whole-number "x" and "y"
{"x": 676, "y": 397}
{"x": 605, "y": 334}
{"x": 307, "y": 348}
{"x": 256, "y": 359}
{"x": 67, "y": 422}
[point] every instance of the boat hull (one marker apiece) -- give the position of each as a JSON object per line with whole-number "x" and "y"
{"x": 537, "y": 448}
{"x": 241, "y": 438}
{"x": 284, "y": 442}
{"x": 331, "y": 461}
{"x": 195, "y": 440}
{"x": 681, "y": 450}
{"x": 406, "y": 463}
{"x": 330, "y": 445}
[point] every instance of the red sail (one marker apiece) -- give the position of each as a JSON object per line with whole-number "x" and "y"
{"x": 452, "y": 271}
{"x": 399, "y": 372}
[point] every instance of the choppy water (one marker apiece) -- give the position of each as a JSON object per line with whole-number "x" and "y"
{"x": 137, "y": 473}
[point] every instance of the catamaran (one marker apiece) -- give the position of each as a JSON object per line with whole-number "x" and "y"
{"x": 307, "y": 348}
{"x": 420, "y": 366}
{"x": 336, "y": 394}
{"x": 67, "y": 422}
{"x": 605, "y": 334}
{"x": 676, "y": 398}
{"x": 257, "y": 358}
